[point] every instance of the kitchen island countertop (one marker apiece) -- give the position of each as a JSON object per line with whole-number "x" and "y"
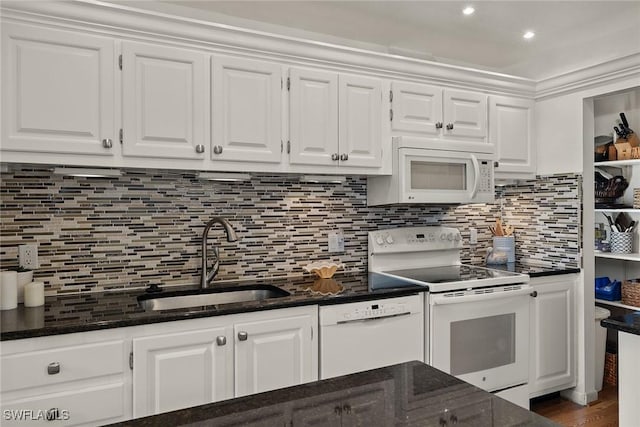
{"x": 629, "y": 322}
{"x": 90, "y": 311}
{"x": 407, "y": 394}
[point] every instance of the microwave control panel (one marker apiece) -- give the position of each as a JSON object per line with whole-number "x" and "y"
{"x": 485, "y": 183}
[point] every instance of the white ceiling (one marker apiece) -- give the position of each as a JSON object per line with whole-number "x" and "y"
{"x": 569, "y": 34}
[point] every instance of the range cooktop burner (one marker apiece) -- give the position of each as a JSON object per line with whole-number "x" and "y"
{"x": 452, "y": 273}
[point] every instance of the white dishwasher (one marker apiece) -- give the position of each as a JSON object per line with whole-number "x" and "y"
{"x": 366, "y": 335}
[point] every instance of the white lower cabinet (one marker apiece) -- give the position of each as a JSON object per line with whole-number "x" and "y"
{"x": 178, "y": 370}
{"x": 552, "y": 338}
{"x": 275, "y": 350}
{"x": 74, "y": 380}
{"x": 205, "y": 360}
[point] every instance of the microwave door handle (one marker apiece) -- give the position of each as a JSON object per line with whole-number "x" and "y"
{"x": 476, "y": 175}
{"x": 444, "y": 300}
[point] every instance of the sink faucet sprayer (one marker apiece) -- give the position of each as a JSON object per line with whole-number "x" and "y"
{"x": 207, "y": 276}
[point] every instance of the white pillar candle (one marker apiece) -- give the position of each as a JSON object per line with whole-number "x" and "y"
{"x": 8, "y": 290}
{"x": 34, "y": 294}
{"x": 24, "y": 277}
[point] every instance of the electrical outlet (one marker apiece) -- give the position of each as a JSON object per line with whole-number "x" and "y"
{"x": 473, "y": 236}
{"x": 28, "y": 256}
{"x": 336, "y": 242}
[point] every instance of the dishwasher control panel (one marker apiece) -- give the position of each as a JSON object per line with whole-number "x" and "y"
{"x": 377, "y": 309}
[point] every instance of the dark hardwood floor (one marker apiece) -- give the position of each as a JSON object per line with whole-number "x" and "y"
{"x": 601, "y": 413}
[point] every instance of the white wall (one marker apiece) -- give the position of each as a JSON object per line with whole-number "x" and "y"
{"x": 559, "y": 126}
{"x": 565, "y": 128}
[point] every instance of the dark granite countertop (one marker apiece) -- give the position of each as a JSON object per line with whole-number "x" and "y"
{"x": 408, "y": 394}
{"x": 533, "y": 270}
{"x": 102, "y": 310}
{"x": 629, "y": 322}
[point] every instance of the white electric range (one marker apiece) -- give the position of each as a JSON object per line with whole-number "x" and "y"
{"x": 476, "y": 318}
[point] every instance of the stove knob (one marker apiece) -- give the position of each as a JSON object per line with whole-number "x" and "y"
{"x": 458, "y": 238}
{"x": 431, "y": 237}
{"x": 443, "y": 237}
{"x": 449, "y": 237}
{"x": 379, "y": 240}
{"x": 389, "y": 239}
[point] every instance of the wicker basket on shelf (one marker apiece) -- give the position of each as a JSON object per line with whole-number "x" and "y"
{"x": 631, "y": 292}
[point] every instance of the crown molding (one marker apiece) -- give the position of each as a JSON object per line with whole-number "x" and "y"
{"x": 585, "y": 78}
{"x": 131, "y": 23}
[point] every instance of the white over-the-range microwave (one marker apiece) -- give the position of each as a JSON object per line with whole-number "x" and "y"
{"x": 423, "y": 174}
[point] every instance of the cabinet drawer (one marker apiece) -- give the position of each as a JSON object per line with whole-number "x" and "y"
{"x": 86, "y": 406}
{"x": 38, "y": 368}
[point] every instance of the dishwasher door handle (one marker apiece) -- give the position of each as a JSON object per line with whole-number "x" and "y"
{"x": 369, "y": 319}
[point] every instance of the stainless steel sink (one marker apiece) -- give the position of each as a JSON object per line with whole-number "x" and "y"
{"x": 210, "y": 296}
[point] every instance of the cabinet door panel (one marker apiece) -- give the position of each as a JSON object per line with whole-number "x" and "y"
{"x": 247, "y": 110}
{"x": 467, "y": 112}
{"x": 164, "y": 93}
{"x": 416, "y": 108}
{"x": 276, "y": 354}
{"x": 58, "y": 91}
{"x": 511, "y": 130}
{"x": 181, "y": 370}
{"x": 552, "y": 338}
{"x": 360, "y": 121}
{"x": 313, "y": 117}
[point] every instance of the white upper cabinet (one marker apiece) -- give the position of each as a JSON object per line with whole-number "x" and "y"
{"x": 57, "y": 91}
{"x": 360, "y": 106}
{"x": 465, "y": 114}
{"x": 164, "y": 94}
{"x": 511, "y": 130}
{"x": 246, "y": 110}
{"x": 416, "y": 108}
{"x": 457, "y": 119}
{"x": 335, "y": 119}
{"x": 313, "y": 117}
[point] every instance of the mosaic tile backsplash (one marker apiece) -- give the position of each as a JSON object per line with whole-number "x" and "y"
{"x": 145, "y": 227}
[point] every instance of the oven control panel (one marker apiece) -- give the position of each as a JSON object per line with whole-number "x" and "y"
{"x": 412, "y": 239}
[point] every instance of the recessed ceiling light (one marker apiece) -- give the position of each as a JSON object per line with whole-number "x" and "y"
{"x": 528, "y": 35}
{"x": 468, "y": 10}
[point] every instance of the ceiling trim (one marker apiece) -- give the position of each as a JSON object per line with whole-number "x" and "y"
{"x": 122, "y": 21}
{"x": 587, "y": 77}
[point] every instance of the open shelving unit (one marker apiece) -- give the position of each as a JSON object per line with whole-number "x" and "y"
{"x": 618, "y": 266}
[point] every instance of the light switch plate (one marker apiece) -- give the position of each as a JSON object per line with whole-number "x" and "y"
{"x": 336, "y": 242}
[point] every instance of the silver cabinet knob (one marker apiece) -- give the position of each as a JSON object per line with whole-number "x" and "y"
{"x": 438, "y": 125}
{"x": 217, "y": 149}
{"x": 107, "y": 143}
{"x": 335, "y": 157}
{"x": 221, "y": 340}
{"x": 344, "y": 157}
{"x": 534, "y": 294}
{"x": 53, "y": 368}
{"x": 449, "y": 126}
{"x": 242, "y": 336}
{"x": 199, "y": 148}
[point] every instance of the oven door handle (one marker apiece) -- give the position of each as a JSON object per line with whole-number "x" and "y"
{"x": 444, "y": 300}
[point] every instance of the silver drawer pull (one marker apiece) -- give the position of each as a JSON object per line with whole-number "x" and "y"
{"x": 370, "y": 319}
{"x": 199, "y": 148}
{"x": 107, "y": 143}
{"x": 217, "y": 149}
{"x": 221, "y": 340}
{"x": 53, "y": 368}
{"x": 242, "y": 336}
